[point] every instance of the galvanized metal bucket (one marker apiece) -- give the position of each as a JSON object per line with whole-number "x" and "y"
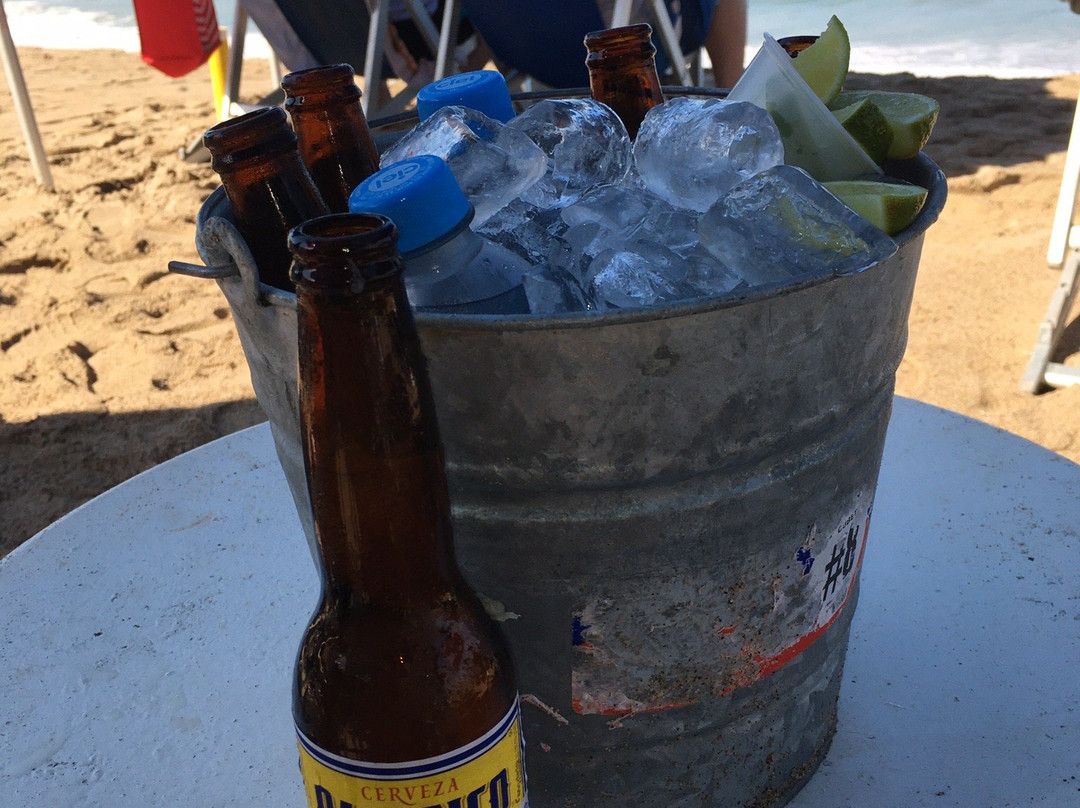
{"x": 666, "y": 508}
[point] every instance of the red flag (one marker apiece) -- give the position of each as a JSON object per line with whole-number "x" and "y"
{"x": 177, "y": 35}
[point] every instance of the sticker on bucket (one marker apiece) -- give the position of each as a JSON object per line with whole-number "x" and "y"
{"x": 667, "y": 639}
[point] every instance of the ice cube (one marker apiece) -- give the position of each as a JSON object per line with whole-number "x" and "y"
{"x": 692, "y": 151}
{"x": 492, "y": 163}
{"x": 615, "y": 207}
{"x": 551, "y": 290}
{"x": 781, "y": 225}
{"x": 675, "y": 228}
{"x": 710, "y": 277}
{"x": 524, "y": 228}
{"x": 586, "y": 144}
{"x": 635, "y": 213}
{"x": 638, "y": 274}
{"x": 575, "y": 250}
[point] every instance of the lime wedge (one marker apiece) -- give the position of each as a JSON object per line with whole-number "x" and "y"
{"x": 891, "y": 206}
{"x": 824, "y": 65}
{"x": 911, "y": 117}
{"x": 868, "y": 125}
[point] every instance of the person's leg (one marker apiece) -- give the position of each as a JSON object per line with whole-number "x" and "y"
{"x": 725, "y": 41}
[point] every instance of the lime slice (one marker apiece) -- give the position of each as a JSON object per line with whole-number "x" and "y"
{"x": 824, "y": 65}
{"x": 868, "y": 125}
{"x": 911, "y": 117}
{"x": 891, "y": 206}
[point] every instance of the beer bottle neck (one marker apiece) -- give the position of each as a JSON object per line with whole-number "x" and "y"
{"x": 269, "y": 189}
{"x": 334, "y": 140}
{"x": 622, "y": 72}
{"x": 374, "y": 457}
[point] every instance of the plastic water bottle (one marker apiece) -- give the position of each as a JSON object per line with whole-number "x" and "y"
{"x": 448, "y": 267}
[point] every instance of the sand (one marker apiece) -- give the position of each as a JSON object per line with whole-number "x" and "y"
{"x": 109, "y": 364}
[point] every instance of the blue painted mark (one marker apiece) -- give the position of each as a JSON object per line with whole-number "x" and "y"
{"x": 804, "y": 557}
{"x": 578, "y": 629}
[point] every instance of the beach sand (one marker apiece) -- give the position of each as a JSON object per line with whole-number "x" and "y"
{"x": 109, "y": 364}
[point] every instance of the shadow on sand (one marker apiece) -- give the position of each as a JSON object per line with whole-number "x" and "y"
{"x": 997, "y": 130}
{"x": 46, "y": 468}
{"x": 43, "y": 462}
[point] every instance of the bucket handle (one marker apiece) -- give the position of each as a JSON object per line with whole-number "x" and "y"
{"x": 202, "y": 271}
{"x": 227, "y": 256}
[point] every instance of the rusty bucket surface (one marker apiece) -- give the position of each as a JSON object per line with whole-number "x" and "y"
{"x": 666, "y": 508}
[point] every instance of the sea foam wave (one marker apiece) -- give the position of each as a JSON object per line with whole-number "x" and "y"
{"x": 1001, "y": 38}
{"x": 69, "y": 27}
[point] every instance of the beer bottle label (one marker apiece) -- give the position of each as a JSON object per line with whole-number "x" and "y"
{"x": 488, "y": 773}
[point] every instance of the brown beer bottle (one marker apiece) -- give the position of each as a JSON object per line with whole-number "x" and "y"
{"x": 794, "y": 45}
{"x": 268, "y": 187}
{"x": 404, "y": 690}
{"x": 332, "y": 132}
{"x": 622, "y": 72}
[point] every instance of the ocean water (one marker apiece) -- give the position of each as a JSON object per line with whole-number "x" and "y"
{"x": 1003, "y": 38}
{"x": 82, "y": 24}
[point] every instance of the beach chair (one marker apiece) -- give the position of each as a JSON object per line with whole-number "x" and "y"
{"x": 544, "y": 41}
{"x": 1063, "y": 253}
{"x": 305, "y": 34}
{"x": 674, "y": 47}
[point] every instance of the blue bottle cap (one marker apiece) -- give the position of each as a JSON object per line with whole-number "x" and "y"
{"x": 421, "y": 197}
{"x": 482, "y": 90}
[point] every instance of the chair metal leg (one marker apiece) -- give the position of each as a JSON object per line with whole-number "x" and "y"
{"x": 670, "y": 42}
{"x": 1066, "y": 205}
{"x": 25, "y": 111}
{"x": 445, "y": 64}
{"x": 275, "y": 70}
{"x": 620, "y": 17}
{"x": 235, "y": 64}
{"x": 1064, "y": 251}
{"x": 373, "y": 59}
{"x": 424, "y": 24}
{"x": 1040, "y": 369}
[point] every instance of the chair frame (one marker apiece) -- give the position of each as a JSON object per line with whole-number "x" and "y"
{"x": 1064, "y": 252}
{"x": 668, "y": 40}
{"x": 439, "y": 40}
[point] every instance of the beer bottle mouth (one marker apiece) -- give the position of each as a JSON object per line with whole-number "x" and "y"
{"x": 613, "y": 43}
{"x": 794, "y": 45}
{"x": 319, "y": 86}
{"x": 260, "y": 134}
{"x": 344, "y": 250}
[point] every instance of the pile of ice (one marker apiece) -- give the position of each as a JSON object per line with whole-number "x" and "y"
{"x": 700, "y": 205}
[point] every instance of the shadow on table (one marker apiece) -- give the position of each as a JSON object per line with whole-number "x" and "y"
{"x": 53, "y": 464}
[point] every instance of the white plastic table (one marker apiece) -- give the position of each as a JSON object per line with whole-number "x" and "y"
{"x": 147, "y": 638}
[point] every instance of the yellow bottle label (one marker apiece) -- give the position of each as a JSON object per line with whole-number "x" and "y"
{"x": 488, "y": 773}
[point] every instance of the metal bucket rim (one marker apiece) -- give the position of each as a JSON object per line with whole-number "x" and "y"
{"x": 920, "y": 166}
